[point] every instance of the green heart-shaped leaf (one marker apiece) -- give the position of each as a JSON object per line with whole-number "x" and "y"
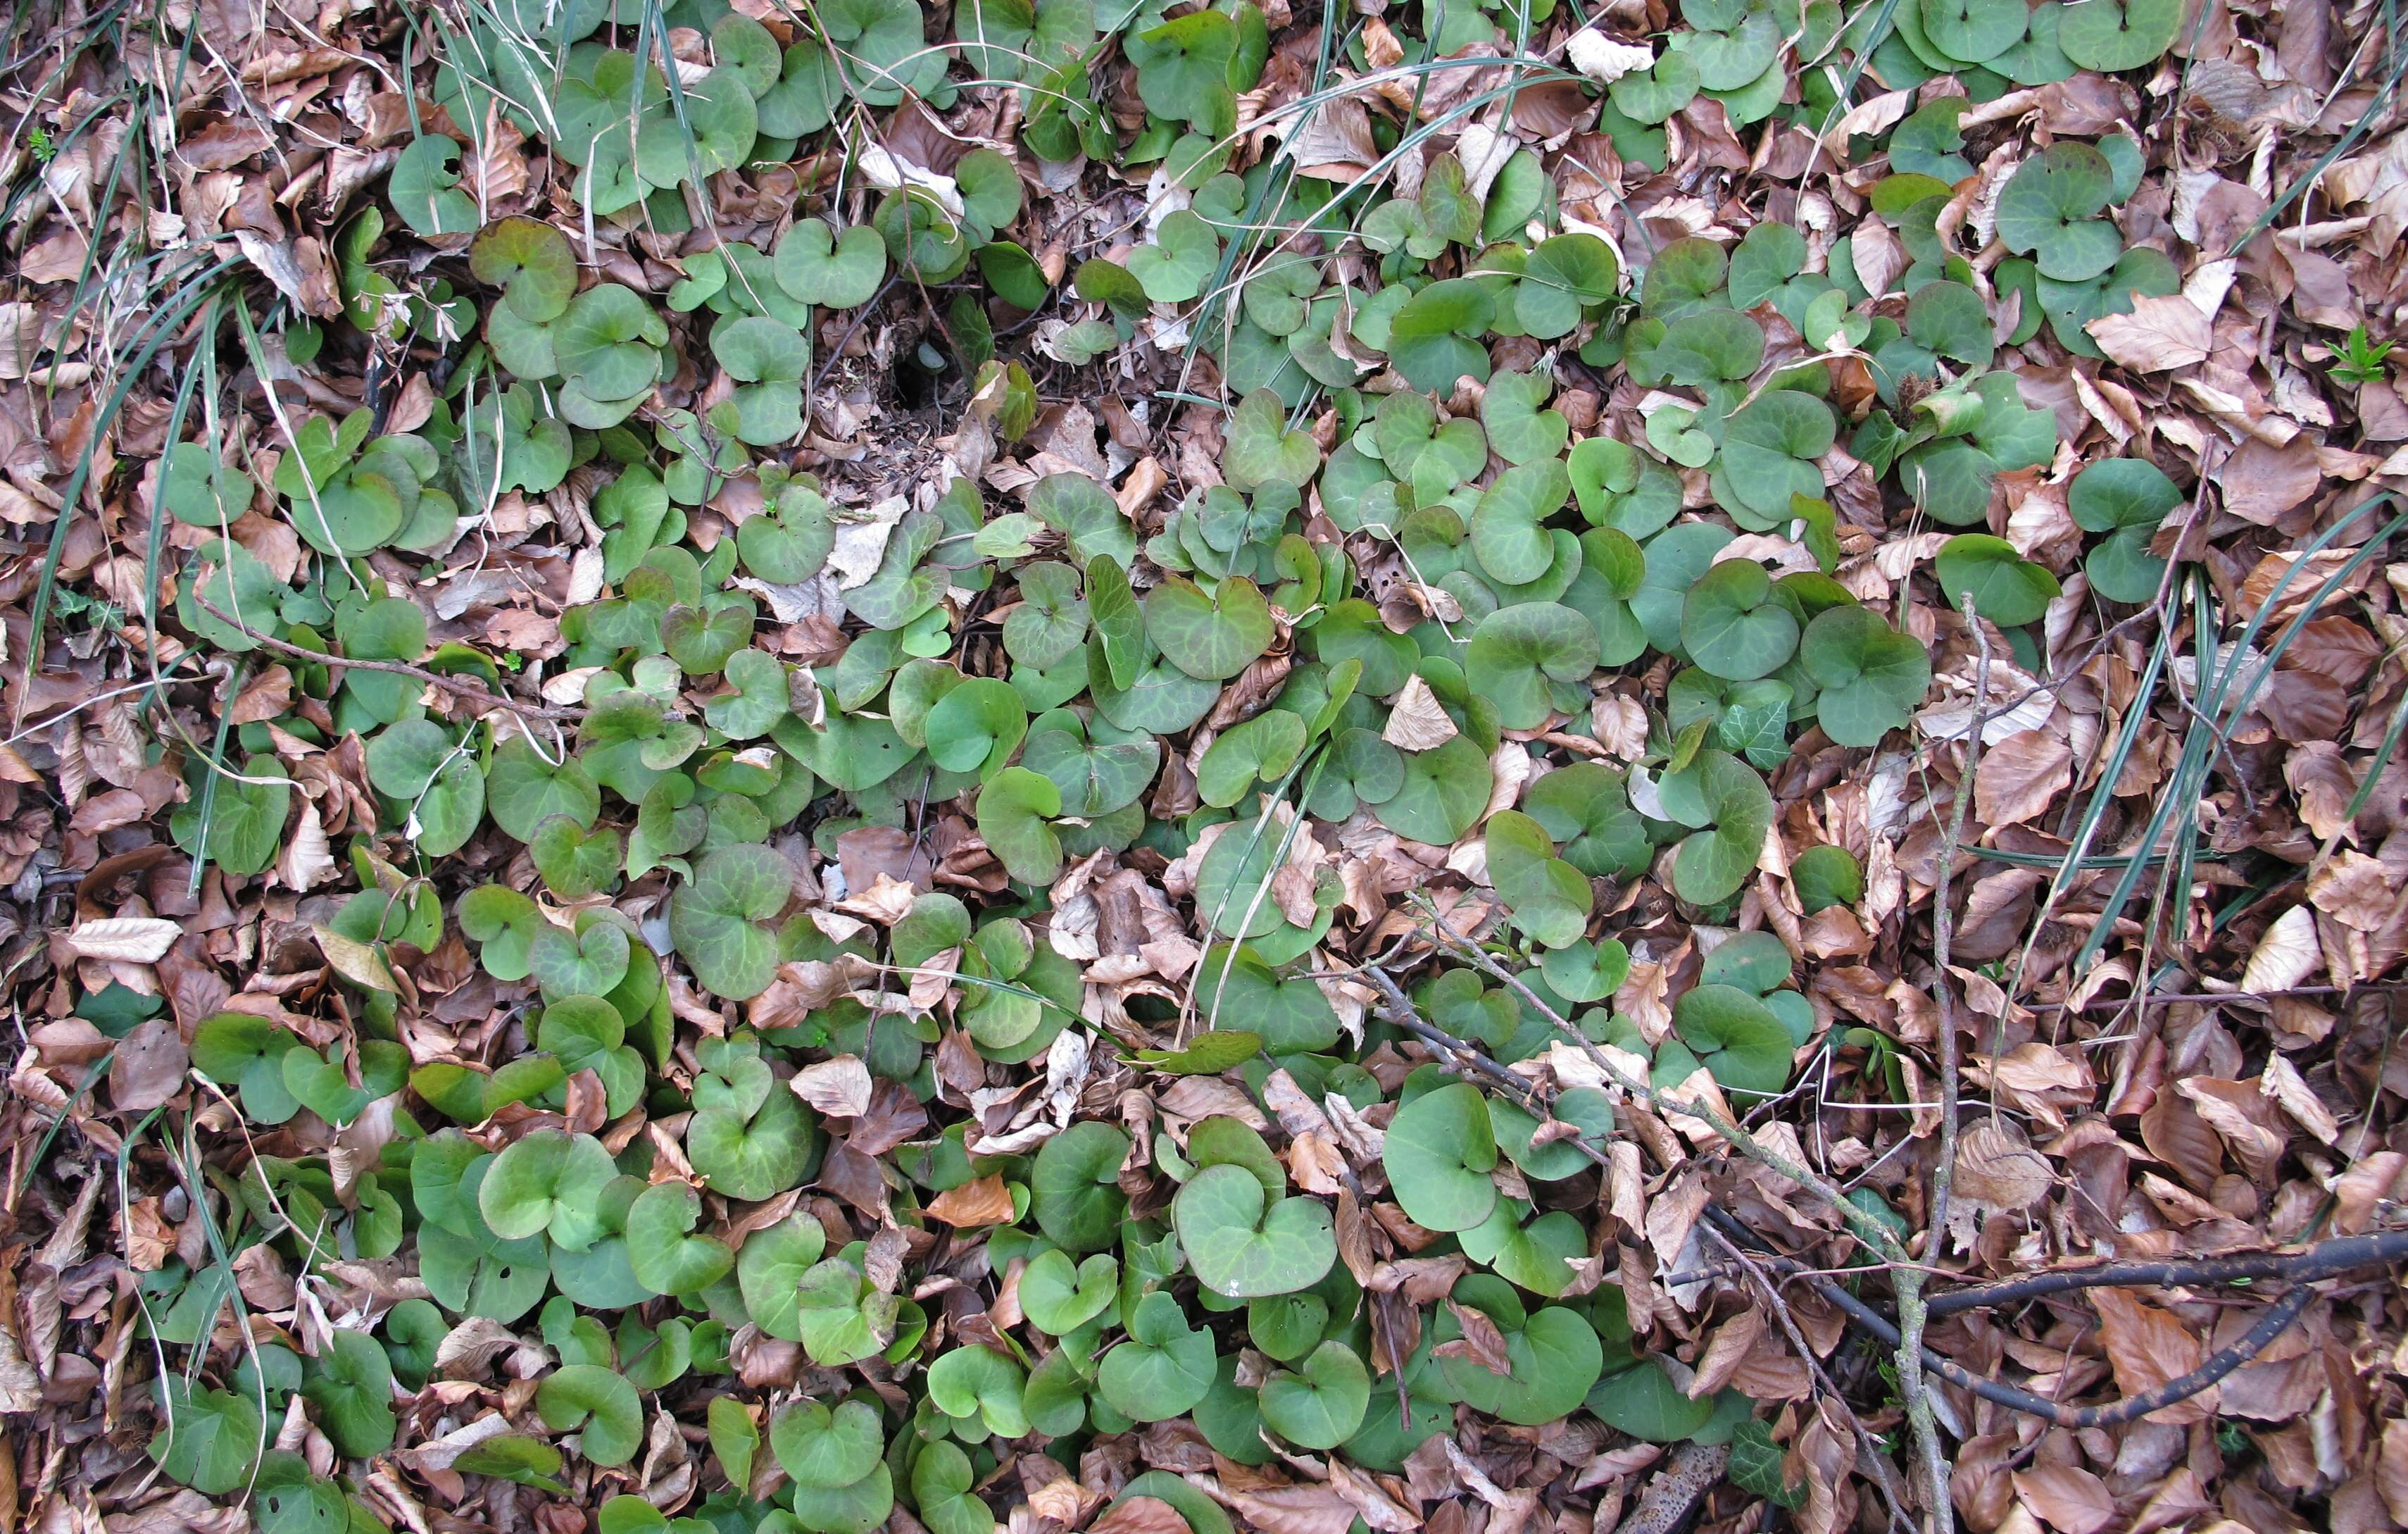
{"x": 1871, "y": 675}
{"x": 601, "y": 1403}
{"x": 1439, "y": 1152}
{"x": 546, "y": 1182}
{"x": 2052, "y": 206}
{"x": 590, "y": 962}
{"x": 982, "y": 1386}
{"x": 1321, "y": 1404}
{"x": 1074, "y": 1186}
{"x": 1519, "y": 656}
{"x": 720, "y": 922}
{"x": 1259, "y": 448}
{"x": 1163, "y": 1368}
{"x": 815, "y": 265}
{"x": 322, "y": 1087}
{"x": 1242, "y": 1247}
{"x": 1987, "y": 574}
{"x": 350, "y": 1384}
{"x": 1732, "y": 625}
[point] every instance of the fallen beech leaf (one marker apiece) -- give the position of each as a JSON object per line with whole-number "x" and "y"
{"x": 2357, "y": 890}
{"x": 2067, "y": 1498}
{"x": 2160, "y": 334}
{"x": 1876, "y": 116}
{"x": 980, "y": 1202}
{"x": 1418, "y": 723}
{"x": 1295, "y": 1510}
{"x": 147, "y": 1068}
{"x": 134, "y": 939}
{"x": 1140, "y": 1515}
{"x": 1996, "y": 1167}
{"x": 2018, "y": 777}
{"x": 2287, "y": 955}
{"x": 2281, "y": 1082}
{"x": 2148, "y": 1347}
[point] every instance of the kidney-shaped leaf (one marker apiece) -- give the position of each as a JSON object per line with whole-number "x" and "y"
{"x": 1241, "y": 1246}
{"x": 1439, "y": 1153}
{"x": 720, "y": 922}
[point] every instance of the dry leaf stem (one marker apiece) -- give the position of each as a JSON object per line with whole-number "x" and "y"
{"x": 1912, "y": 1312}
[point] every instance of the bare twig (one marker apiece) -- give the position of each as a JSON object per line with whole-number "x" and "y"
{"x": 1912, "y": 1310}
{"x": 2277, "y": 1320}
{"x": 433, "y": 679}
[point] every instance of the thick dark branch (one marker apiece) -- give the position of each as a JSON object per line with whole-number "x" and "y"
{"x": 2341, "y": 1255}
{"x": 1669, "y": 1503}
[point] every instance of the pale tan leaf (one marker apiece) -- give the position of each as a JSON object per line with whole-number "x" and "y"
{"x": 1295, "y": 1509}
{"x": 2160, "y": 335}
{"x": 465, "y": 1352}
{"x": 1417, "y": 723}
{"x": 1996, "y": 1167}
{"x": 1338, "y": 135}
{"x": 1604, "y": 59}
{"x": 2245, "y": 1119}
{"x": 839, "y": 1088}
{"x": 1373, "y": 1505}
{"x": 1876, "y": 116}
{"x": 2281, "y": 1082}
{"x": 306, "y": 859}
{"x": 2286, "y": 955}
{"x": 134, "y": 939}
{"x": 2357, "y": 890}
{"x": 2262, "y": 481}
{"x": 356, "y": 961}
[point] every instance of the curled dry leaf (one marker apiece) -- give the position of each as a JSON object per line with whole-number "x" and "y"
{"x": 2287, "y": 955}
{"x": 1417, "y": 723}
{"x": 1996, "y": 1167}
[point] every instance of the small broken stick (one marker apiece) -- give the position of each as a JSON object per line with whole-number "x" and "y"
{"x": 1672, "y": 1500}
